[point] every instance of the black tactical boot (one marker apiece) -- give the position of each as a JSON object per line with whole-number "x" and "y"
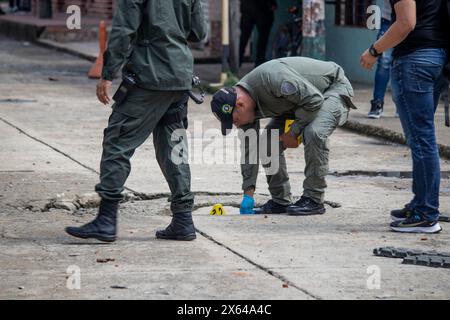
{"x": 104, "y": 226}
{"x": 181, "y": 228}
{"x": 271, "y": 207}
{"x": 306, "y": 207}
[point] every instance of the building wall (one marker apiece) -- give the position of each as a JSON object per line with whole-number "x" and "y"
{"x": 345, "y": 46}
{"x": 99, "y": 8}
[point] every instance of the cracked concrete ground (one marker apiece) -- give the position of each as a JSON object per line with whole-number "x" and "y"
{"x": 50, "y": 131}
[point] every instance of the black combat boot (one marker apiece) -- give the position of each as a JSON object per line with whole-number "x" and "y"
{"x": 181, "y": 228}
{"x": 104, "y": 226}
{"x": 306, "y": 207}
{"x": 271, "y": 207}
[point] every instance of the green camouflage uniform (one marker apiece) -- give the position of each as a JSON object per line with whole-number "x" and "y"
{"x": 150, "y": 37}
{"x": 317, "y": 95}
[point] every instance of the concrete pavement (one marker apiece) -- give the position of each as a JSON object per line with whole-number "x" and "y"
{"x": 51, "y": 130}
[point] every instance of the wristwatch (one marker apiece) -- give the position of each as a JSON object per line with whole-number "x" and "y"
{"x": 373, "y": 52}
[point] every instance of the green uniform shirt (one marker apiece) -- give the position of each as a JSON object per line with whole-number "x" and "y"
{"x": 151, "y": 38}
{"x": 296, "y": 87}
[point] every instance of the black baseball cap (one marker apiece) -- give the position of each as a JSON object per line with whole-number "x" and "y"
{"x": 222, "y": 106}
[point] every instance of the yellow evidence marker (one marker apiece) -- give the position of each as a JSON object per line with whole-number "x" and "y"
{"x": 218, "y": 210}
{"x": 287, "y": 127}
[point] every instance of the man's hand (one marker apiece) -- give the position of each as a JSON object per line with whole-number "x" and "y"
{"x": 367, "y": 60}
{"x": 247, "y": 205}
{"x": 103, "y": 87}
{"x": 289, "y": 141}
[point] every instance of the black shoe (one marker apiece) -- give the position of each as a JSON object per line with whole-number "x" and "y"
{"x": 103, "y": 228}
{"x": 271, "y": 207}
{"x": 376, "y": 111}
{"x": 416, "y": 224}
{"x": 181, "y": 228}
{"x": 401, "y": 214}
{"x": 306, "y": 207}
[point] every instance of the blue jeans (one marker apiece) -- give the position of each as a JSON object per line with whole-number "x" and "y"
{"x": 416, "y": 85}
{"x": 383, "y": 71}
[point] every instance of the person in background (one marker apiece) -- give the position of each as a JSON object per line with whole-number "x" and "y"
{"x": 419, "y": 35}
{"x": 261, "y": 14}
{"x": 383, "y": 71}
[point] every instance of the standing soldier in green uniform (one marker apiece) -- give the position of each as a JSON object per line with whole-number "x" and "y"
{"x": 317, "y": 96}
{"x": 151, "y": 39}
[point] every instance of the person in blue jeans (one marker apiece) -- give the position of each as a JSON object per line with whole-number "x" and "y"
{"x": 383, "y": 71}
{"x": 419, "y": 35}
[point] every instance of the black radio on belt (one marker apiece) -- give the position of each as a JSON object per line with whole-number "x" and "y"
{"x": 128, "y": 82}
{"x": 198, "y": 98}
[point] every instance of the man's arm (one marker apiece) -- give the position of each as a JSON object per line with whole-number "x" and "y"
{"x": 126, "y": 21}
{"x": 273, "y": 4}
{"x": 308, "y": 98}
{"x": 199, "y": 27}
{"x": 405, "y": 11}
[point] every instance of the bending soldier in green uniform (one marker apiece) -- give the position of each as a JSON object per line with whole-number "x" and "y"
{"x": 151, "y": 39}
{"x": 317, "y": 96}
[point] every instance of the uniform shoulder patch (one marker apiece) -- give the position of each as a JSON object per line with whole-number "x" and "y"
{"x": 288, "y": 88}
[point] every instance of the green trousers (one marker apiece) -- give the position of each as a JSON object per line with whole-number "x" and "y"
{"x": 130, "y": 124}
{"x": 333, "y": 113}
